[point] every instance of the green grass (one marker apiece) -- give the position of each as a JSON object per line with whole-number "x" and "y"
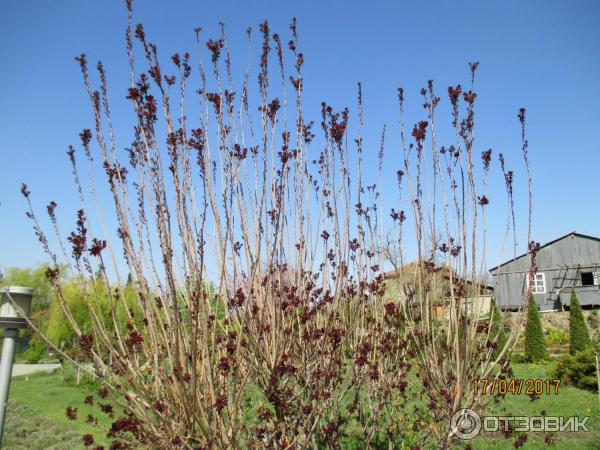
{"x": 36, "y": 412}
{"x": 569, "y": 402}
{"x": 26, "y": 429}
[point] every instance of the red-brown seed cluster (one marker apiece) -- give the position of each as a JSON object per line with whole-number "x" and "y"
{"x": 71, "y": 413}
{"x": 85, "y": 342}
{"x": 215, "y": 47}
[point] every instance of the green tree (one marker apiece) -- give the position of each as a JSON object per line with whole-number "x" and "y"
{"x": 34, "y": 278}
{"x": 579, "y": 335}
{"x": 36, "y": 350}
{"x": 535, "y": 345}
{"x": 58, "y": 328}
{"x": 578, "y": 370}
{"x": 497, "y": 330}
{"x": 60, "y": 332}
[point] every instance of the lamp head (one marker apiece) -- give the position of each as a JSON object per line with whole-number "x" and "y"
{"x": 10, "y": 317}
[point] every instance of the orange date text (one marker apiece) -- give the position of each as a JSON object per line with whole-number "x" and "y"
{"x": 538, "y": 386}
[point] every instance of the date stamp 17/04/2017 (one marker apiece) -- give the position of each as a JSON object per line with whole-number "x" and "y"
{"x": 516, "y": 386}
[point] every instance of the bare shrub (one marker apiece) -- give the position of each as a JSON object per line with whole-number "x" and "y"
{"x": 255, "y": 309}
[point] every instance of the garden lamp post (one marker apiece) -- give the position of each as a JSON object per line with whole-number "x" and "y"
{"x": 10, "y": 321}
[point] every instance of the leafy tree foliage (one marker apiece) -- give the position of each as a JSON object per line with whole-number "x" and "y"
{"x": 49, "y": 316}
{"x": 535, "y": 344}
{"x": 578, "y": 370}
{"x": 497, "y": 330}
{"x": 35, "y": 351}
{"x": 33, "y": 278}
{"x": 58, "y": 329}
{"x": 579, "y": 335}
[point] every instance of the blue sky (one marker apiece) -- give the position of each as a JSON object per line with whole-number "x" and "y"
{"x": 543, "y": 55}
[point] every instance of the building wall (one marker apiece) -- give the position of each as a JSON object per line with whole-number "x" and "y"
{"x": 587, "y": 295}
{"x": 560, "y": 261}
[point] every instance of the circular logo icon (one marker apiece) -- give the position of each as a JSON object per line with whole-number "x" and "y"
{"x": 466, "y": 424}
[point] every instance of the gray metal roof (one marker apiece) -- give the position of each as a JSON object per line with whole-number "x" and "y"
{"x": 572, "y": 233}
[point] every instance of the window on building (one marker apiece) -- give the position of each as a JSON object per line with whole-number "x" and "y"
{"x": 587, "y": 278}
{"x": 537, "y": 283}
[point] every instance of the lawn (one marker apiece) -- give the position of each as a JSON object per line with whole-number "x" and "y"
{"x": 36, "y": 414}
{"x": 27, "y": 429}
{"x": 569, "y": 402}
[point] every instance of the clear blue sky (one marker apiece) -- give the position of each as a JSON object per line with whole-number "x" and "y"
{"x": 543, "y": 55}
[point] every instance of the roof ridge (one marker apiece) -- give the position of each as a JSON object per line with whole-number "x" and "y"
{"x": 570, "y": 233}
